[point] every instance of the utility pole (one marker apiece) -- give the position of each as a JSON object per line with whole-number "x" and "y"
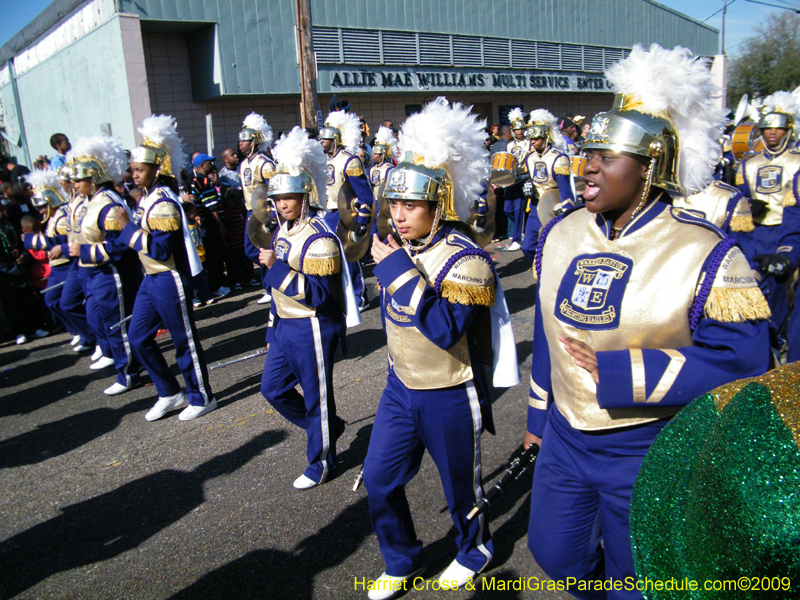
{"x": 724, "y": 10}
{"x": 308, "y": 70}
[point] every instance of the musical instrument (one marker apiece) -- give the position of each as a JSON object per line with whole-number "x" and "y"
{"x": 746, "y": 138}
{"x": 513, "y": 471}
{"x": 355, "y": 247}
{"x": 258, "y": 234}
{"x": 504, "y": 169}
{"x": 484, "y": 235}
{"x": 577, "y": 165}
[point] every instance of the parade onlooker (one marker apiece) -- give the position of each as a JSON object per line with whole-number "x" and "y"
{"x": 60, "y": 143}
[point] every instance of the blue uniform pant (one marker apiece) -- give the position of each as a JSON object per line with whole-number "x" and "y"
{"x": 301, "y": 352}
{"x": 166, "y": 298}
{"x": 582, "y": 487}
{"x": 52, "y": 299}
{"x": 112, "y": 292}
{"x": 531, "y": 240}
{"x": 356, "y": 273}
{"x": 447, "y": 422}
{"x": 71, "y": 304}
{"x": 514, "y": 207}
{"x": 251, "y": 252}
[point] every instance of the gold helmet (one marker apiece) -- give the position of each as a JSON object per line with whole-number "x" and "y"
{"x": 256, "y": 129}
{"x": 46, "y": 189}
{"x": 516, "y": 118}
{"x": 161, "y": 146}
{"x": 663, "y": 111}
{"x": 99, "y": 158}
{"x": 301, "y": 168}
{"x": 385, "y": 143}
{"x": 344, "y": 129}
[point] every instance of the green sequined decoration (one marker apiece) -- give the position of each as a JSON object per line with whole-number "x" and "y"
{"x": 718, "y": 495}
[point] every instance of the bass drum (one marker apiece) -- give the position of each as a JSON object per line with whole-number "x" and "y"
{"x": 746, "y": 138}
{"x": 484, "y": 235}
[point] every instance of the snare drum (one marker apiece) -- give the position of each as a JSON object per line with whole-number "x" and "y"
{"x": 504, "y": 169}
{"x": 743, "y": 139}
{"x": 577, "y": 165}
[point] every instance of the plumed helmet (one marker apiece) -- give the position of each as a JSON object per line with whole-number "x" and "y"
{"x": 344, "y": 128}
{"x": 46, "y": 189}
{"x": 99, "y": 157}
{"x": 161, "y": 145}
{"x": 516, "y": 118}
{"x": 300, "y": 168}
{"x": 385, "y": 143}
{"x": 256, "y": 129}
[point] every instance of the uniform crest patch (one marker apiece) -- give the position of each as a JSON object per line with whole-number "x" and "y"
{"x": 539, "y": 172}
{"x": 79, "y": 218}
{"x": 331, "y": 175}
{"x": 769, "y": 179}
{"x": 590, "y": 294}
{"x": 247, "y": 176}
{"x": 375, "y": 177}
{"x": 282, "y": 249}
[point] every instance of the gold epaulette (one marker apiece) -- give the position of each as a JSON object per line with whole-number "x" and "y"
{"x": 61, "y": 229}
{"x": 356, "y": 170}
{"x": 460, "y": 293}
{"x": 736, "y": 305}
{"x": 164, "y": 216}
{"x": 110, "y": 224}
{"x": 269, "y": 172}
{"x": 322, "y": 258}
{"x": 788, "y": 198}
{"x": 740, "y": 176}
{"x": 742, "y": 223}
{"x": 561, "y": 170}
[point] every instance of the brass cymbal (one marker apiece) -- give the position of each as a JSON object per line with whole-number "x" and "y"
{"x": 260, "y": 204}
{"x": 354, "y": 248}
{"x": 258, "y": 235}
{"x": 384, "y": 217}
{"x": 484, "y": 236}
{"x": 347, "y": 212}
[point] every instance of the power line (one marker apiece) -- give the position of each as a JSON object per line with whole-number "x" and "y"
{"x": 794, "y": 10}
{"x": 720, "y": 10}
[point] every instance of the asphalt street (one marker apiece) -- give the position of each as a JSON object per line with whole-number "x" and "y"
{"x": 99, "y": 503}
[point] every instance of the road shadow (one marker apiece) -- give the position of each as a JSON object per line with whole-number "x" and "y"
{"x": 112, "y": 523}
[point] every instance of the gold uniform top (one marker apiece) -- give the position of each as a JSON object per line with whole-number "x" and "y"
{"x": 520, "y": 149}
{"x": 340, "y": 164}
{"x": 253, "y": 170}
{"x": 771, "y": 178}
{"x": 631, "y": 294}
{"x": 720, "y": 204}
{"x": 87, "y": 227}
{"x": 309, "y": 249}
{"x": 456, "y": 269}
{"x": 543, "y": 169}
{"x": 377, "y": 177}
{"x": 158, "y": 211}
{"x": 57, "y": 224}
{"x": 74, "y": 206}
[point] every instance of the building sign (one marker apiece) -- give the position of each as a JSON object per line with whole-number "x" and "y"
{"x": 411, "y": 79}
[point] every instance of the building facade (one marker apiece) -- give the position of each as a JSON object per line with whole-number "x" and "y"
{"x": 97, "y": 66}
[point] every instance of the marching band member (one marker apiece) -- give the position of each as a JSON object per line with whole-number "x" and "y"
{"x": 770, "y": 179}
{"x": 256, "y": 167}
{"x": 340, "y": 139}
{"x": 549, "y": 169}
{"x": 49, "y": 199}
{"x": 160, "y": 234}
{"x": 513, "y": 204}
{"x": 724, "y": 206}
{"x": 439, "y": 293}
{"x": 384, "y": 158}
{"x": 641, "y": 308}
{"x": 113, "y": 270}
{"x": 311, "y": 297}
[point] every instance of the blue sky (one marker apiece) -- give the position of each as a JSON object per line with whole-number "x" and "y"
{"x": 742, "y": 16}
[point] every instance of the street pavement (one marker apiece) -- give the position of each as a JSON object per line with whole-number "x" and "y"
{"x": 99, "y": 503}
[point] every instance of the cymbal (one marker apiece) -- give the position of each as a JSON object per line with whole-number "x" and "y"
{"x": 258, "y": 235}
{"x": 485, "y": 235}
{"x": 260, "y": 204}
{"x": 354, "y": 248}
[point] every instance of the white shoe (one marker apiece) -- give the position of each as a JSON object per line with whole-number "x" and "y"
{"x": 75, "y": 341}
{"x": 192, "y": 412}
{"x": 164, "y": 405}
{"x": 41, "y": 333}
{"x": 389, "y": 586}
{"x": 21, "y": 339}
{"x": 265, "y": 299}
{"x": 457, "y": 575}
{"x": 116, "y": 389}
{"x": 197, "y": 303}
{"x": 304, "y": 483}
{"x": 98, "y": 352}
{"x": 82, "y": 348}
{"x": 102, "y": 363}
{"x": 513, "y": 247}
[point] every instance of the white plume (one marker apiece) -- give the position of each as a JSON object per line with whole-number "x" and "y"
{"x": 106, "y": 149}
{"x": 678, "y": 84}
{"x": 541, "y": 115}
{"x": 449, "y": 137}
{"x": 784, "y": 102}
{"x": 295, "y": 152}
{"x": 259, "y": 123}
{"x": 163, "y": 131}
{"x": 349, "y": 126}
{"x": 386, "y": 137}
{"x": 43, "y": 179}
{"x": 515, "y": 114}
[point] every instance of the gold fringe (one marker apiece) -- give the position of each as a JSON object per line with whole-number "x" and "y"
{"x": 736, "y": 305}
{"x": 742, "y": 223}
{"x": 111, "y": 225}
{"x": 739, "y": 178}
{"x": 322, "y": 267}
{"x": 468, "y": 294}
{"x": 788, "y": 199}
{"x": 355, "y": 171}
{"x": 561, "y": 170}
{"x": 61, "y": 230}
{"x": 164, "y": 223}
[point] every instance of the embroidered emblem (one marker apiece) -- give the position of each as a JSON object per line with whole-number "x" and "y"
{"x": 590, "y": 295}
{"x": 248, "y": 176}
{"x": 282, "y": 249}
{"x": 517, "y": 151}
{"x": 79, "y": 218}
{"x": 375, "y": 176}
{"x": 397, "y": 181}
{"x": 540, "y": 174}
{"x": 769, "y": 179}
{"x": 331, "y": 176}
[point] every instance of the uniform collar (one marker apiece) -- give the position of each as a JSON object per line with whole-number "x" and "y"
{"x": 647, "y": 214}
